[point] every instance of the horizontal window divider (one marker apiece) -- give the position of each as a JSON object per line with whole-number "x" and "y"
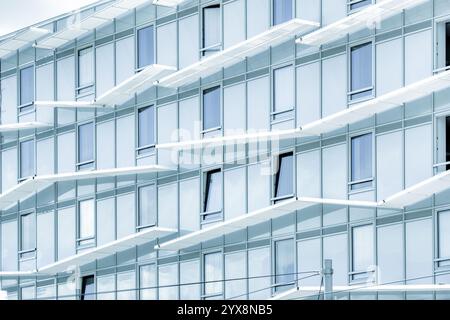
{"x": 360, "y": 90}
{"x": 361, "y": 181}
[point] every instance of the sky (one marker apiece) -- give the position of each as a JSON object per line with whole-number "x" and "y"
{"x": 17, "y": 14}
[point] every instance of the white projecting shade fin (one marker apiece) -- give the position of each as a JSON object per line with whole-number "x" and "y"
{"x": 21, "y": 39}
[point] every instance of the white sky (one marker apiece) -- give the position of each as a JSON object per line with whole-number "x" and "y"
{"x": 17, "y": 14}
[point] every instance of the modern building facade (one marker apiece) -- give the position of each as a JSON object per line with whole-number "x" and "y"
{"x": 207, "y": 149}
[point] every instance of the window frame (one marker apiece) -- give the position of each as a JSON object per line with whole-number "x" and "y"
{"x": 274, "y": 285}
{"x": 203, "y": 294}
{"x": 205, "y": 192}
{"x": 34, "y": 157}
{"x": 138, "y": 206}
{"x": 82, "y": 293}
{"x": 217, "y": 47}
{"x": 441, "y": 262}
{"x": 439, "y": 166}
{"x": 27, "y": 254}
{"x": 350, "y": 3}
{"x": 282, "y": 115}
{"x": 146, "y": 150}
{"x": 138, "y": 68}
{"x": 353, "y": 274}
{"x": 86, "y": 242}
{"x": 87, "y": 89}
{"x": 371, "y": 88}
{"x": 351, "y": 184}
{"x": 276, "y": 161}
{"x": 438, "y": 24}
{"x": 202, "y": 109}
{"x": 26, "y": 107}
{"x": 88, "y": 164}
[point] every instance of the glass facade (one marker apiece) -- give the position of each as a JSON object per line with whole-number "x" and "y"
{"x": 284, "y": 87}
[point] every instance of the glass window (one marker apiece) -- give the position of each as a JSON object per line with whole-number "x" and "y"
{"x": 106, "y": 222}
{"x": 147, "y": 282}
{"x": 419, "y": 251}
{"x": 282, "y": 11}
{"x": 168, "y": 280}
{"x": 86, "y": 213}
{"x": 45, "y": 241}
{"x": 87, "y": 288}
{"x": 85, "y": 145}
{"x": 235, "y": 268}
{"x": 146, "y": 129}
{"x": 361, "y": 161}
{"x": 211, "y": 29}
{"x": 212, "y": 203}
{"x": 284, "y": 264}
{"x": 211, "y": 108}
{"x": 27, "y": 159}
{"x": 126, "y": 286}
{"x": 444, "y": 237}
{"x": 106, "y": 287}
{"x": 190, "y": 280}
{"x": 126, "y": 215}
{"x": 361, "y": 70}
{"x": 284, "y": 185}
{"x": 362, "y": 250}
{"x": 283, "y": 89}
{"x": 145, "y": 47}
{"x": 85, "y": 68}
{"x": 259, "y": 273}
{"x": 443, "y": 142}
{"x": 356, "y": 4}
{"x": 27, "y": 234}
{"x": 26, "y": 87}
{"x": 147, "y": 206}
{"x": 213, "y": 274}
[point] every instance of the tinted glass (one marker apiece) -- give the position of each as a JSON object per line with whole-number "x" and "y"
{"x": 211, "y": 28}
{"x": 27, "y": 159}
{"x": 145, "y": 47}
{"x": 213, "y": 192}
{"x": 284, "y": 179}
{"x": 26, "y": 85}
{"x": 87, "y": 288}
{"x": 28, "y": 232}
{"x": 360, "y": 4}
{"x": 147, "y": 206}
{"x": 362, "y": 248}
{"x": 361, "y": 70}
{"x": 213, "y": 273}
{"x": 361, "y": 157}
{"x": 86, "y": 142}
{"x": 85, "y": 67}
{"x": 146, "y": 134}
{"x": 284, "y": 262}
{"x": 282, "y": 11}
{"x": 211, "y": 108}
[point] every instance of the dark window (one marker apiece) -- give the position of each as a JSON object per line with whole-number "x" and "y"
{"x": 87, "y": 288}
{"x": 359, "y": 4}
{"x": 212, "y": 203}
{"x": 86, "y": 145}
{"x": 145, "y": 47}
{"x": 146, "y": 131}
{"x": 211, "y": 29}
{"x": 361, "y": 71}
{"x": 27, "y": 159}
{"x": 284, "y": 185}
{"x": 211, "y": 108}
{"x": 361, "y": 161}
{"x": 284, "y": 264}
{"x": 282, "y": 11}
{"x": 26, "y": 88}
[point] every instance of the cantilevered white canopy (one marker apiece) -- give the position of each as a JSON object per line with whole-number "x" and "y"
{"x": 238, "y": 52}
{"x": 21, "y": 39}
{"x": 120, "y": 93}
{"x": 307, "y": 291}
{"x": 90, "y": 255}
{"x": 28, "y": 187}
{"x": 22, "y": 126}
{"x": 335, "y": 121}
{"x": 167, "y": 3}
{"x": 253, "y": 218}
{"x": 95, "y": 20}
{"x": 365, "y": 18}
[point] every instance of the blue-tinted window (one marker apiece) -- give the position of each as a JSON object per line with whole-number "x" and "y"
{"x": 26, "y": 87}
{"x": 282, "y": 11}
{"x": 27, "y": 159}
{"x": 146, "y": 55}
{"x": 361, "y": 71}
{"x": 212, "y": 203}
{"x": 146, "y": 130}
{"x": 85, "y": 144}
{"x": 361, "y": 158}
{"x": 85, "y": 69}
{"x": 284, "y": 264}
{"x": 211, "y": 29}
{"x": 147, "y": 206}
{"x": 356, "y": 4}
{"x": 284, "y": 185}
{"x": 211, "y": 108}
{"x": 213, "y": 274}
{"x": 87, "y": 288}
{"x": 27, "y": 234}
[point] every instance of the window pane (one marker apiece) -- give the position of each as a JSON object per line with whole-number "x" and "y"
{"x": 213, "y": 273}
{"x": 284, "y": 262}
{"x": 213, "y": 192}
{"x": 282, "y": 11}
{"x": 26, "y": 85}
{"x": 283, "y": 89}
{"x": 259, "y": 273}
{"x": 362, "y": 248}
{"x": 86, "y": 142}
{"x": 444, "y": 234}
{"x": 189, "y": 280}
{"x": 284, "y": 183}
{"x": 361, "y": 69}
{"x": 28, "y": 232}
{"x": 87, "y": 288}
{"x": 87, "y": 219}
{"x": 106, "y": 223}
{"x": 211, "y": 108}
{"x": 85, "y": 67}
{"x": 45, "y": 238}
{"x": 147, "y": 206}
{"x": 27, "y": 159}
{"x": 362, "y": 157}
{"x": 146, "y": 134}
{"x": 235, "y": 268}
{"x": 147, "y": 282}
{"x": 168, "y": 280}
{"x": 145, "y": 47}
{"x": 126, "y": 285}
{"x": 360, "y": 4}
{"x": 211, "y": 26}
{"x": 106, "y": 285}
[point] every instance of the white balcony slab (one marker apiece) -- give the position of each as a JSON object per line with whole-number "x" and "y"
{"x": 22, "y": 126}
{"x": 253, "y": 218}
{"x": 21, "y": 39}
{"x": 333, "y": 122}
{"x": 365, "y": 18}
{"x": 27, "y": 188}
{"x": 68, "y": 104}
{"x": 167, "y": 3}
{"x": 93, "y": 21}
{"x": 238, "y": 52}
{"x": 308, "y": 291}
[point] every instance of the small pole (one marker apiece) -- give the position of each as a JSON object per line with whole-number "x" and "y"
{"x": 328, "y": 279}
